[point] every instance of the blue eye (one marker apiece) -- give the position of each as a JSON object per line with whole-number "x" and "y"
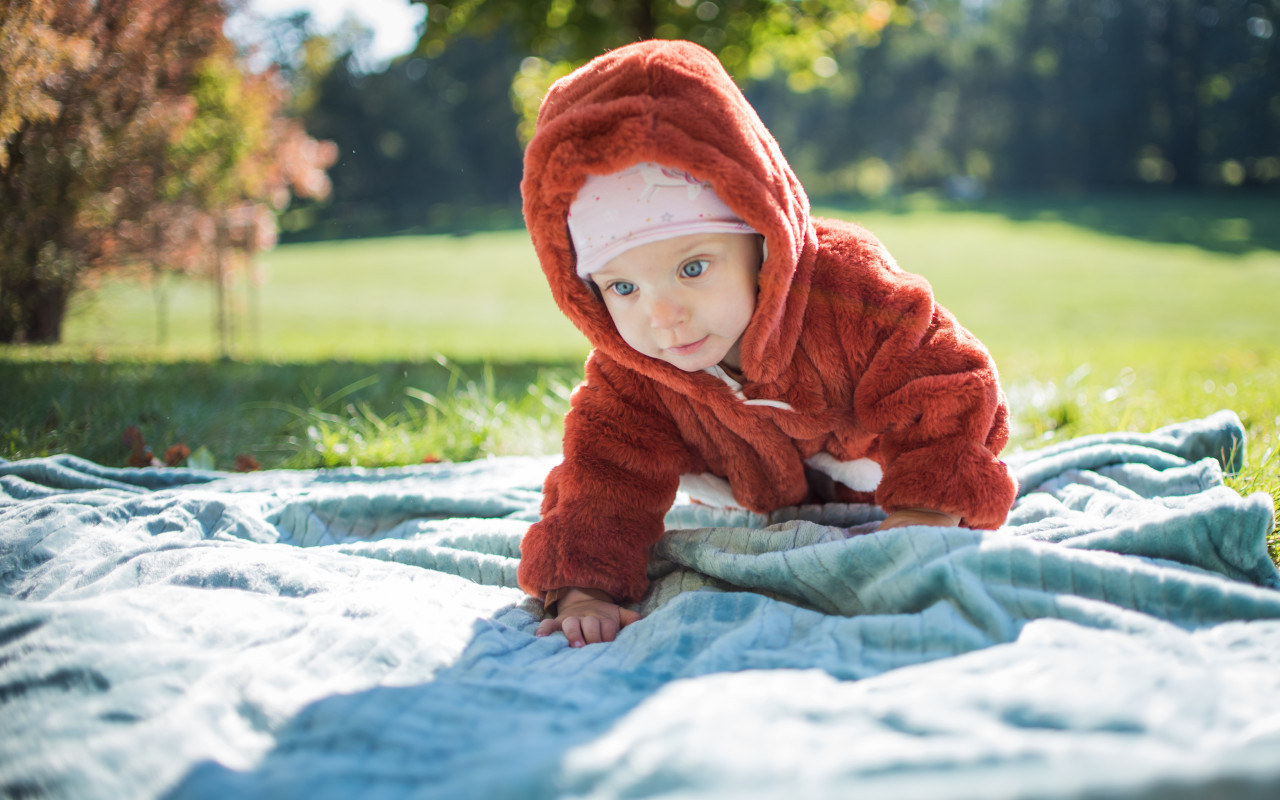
{"x": 622, "y": 288}
{"x": 693, "y": 269}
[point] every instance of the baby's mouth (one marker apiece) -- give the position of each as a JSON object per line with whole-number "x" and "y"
{"x": 687, "y": 349}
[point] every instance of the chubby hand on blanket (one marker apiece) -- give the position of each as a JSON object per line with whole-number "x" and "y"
{"x": 587, "y": 616}
{"x": 918, "y": 516}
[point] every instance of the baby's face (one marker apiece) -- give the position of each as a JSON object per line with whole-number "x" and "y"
{"x": 685, "y": 300}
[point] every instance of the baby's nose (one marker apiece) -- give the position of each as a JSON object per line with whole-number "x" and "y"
{"x": 667, "y": 312}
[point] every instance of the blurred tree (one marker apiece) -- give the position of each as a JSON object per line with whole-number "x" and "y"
{"x": 971, "y": 96}
{"x": 97, "y": 86}
{"x": 753, "y": 38}
{"x": 32, "y": 54}
{"x": 1179, "y": 92}
{"x": 426, "y": 144}
{"x": 137, "y": 140}
{"x": 1047, "y": 95}
{"x": 226, "y": 174}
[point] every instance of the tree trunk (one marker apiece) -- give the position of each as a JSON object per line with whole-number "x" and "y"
{"x": 47, "y": 315}
{"x": 643, "y": 20}
{"x": 33, "y": 314}
{"x": 220, "y": 278}
{"x": 254, "y": 297}
{"x": 1182, "y": 82}
{"x": 161, "y": 297}
{"x": 158, "y": 289}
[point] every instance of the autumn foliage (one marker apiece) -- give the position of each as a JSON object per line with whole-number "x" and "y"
{"x": 141, "y": 456}
{"x": 131, "y": 138}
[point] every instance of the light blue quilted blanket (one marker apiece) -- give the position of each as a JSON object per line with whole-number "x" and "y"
{"x": 358, "y": 633}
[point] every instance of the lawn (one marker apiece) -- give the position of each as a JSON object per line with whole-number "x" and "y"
{"x": 478, "y": 297}
{"x": 1102, "y": 316}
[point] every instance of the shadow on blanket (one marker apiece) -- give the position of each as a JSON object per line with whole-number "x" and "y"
{"x": 358, "y": 633}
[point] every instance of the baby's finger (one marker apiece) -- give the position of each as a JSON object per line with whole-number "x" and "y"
{"x": 547, "y": 627}
{"x": 591, "y": 630}
{"x": 572, "y": 627}
{"x": 627, "y": 617}
{"x": 608, "y": 630}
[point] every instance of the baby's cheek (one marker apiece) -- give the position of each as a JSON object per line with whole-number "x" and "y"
{"x": 632, "y": 333}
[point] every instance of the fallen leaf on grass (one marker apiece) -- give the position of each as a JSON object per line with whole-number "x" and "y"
{"x": 139, "y": 456}
{"x": 177, "y": 454}
{"x": 246, "y": 463}
{"x": 201, "y": 459}
{"x": 143, "y": 458}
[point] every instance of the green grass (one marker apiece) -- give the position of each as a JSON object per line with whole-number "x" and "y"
{"x": 294, "y": 415}
{"x": 1102, "y": 316}
{"x": 400, "y": 298}
{"x": 1041, "y": 287}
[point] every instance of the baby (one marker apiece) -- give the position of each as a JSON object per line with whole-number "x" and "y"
{"x": 744, "y": 351}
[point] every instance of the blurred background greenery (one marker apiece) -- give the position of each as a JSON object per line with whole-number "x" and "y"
{"x": 970, "y": 99}
{"x": 190, "y": 148}
{"x": 1093, "y": 186}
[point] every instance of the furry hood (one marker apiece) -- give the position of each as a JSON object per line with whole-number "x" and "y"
{"x": 669, "y": 102}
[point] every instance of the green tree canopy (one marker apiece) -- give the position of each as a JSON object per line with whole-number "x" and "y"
{"x": 965, "y": 96}
{"x": 754, "y": 39}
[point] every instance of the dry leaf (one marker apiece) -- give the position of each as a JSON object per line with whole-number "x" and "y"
{"x": 202, "y": 458}
{"x": 177, "y": 454}
{"x": 139, "y": 455}
{"x": 143, "y": 458}
{"x": 246, "y": 463}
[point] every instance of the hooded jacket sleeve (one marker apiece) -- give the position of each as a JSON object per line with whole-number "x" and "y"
{"x": 603, "y": 507}
{"x": 926, "y": 387}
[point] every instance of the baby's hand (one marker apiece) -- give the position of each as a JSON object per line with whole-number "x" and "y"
{"x": 918, "y": 516}
{"x": 586, "y": 617}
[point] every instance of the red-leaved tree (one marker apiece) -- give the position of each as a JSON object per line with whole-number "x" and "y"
{"x": 130, "y": 136}
{"x": 227, "y": 171}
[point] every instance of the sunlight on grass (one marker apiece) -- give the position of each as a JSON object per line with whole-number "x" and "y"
{"x": 1050, "y": 287}
{"x": 1138, "y": 389}
{"x": 469, "y": 419}
{"x": 471, "y": 298}
{"x": 1092, "y": 331}
{"x": 1043, "y": 286}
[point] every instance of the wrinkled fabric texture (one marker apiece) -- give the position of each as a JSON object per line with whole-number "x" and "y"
{"x": 359, "y": 633}
{"x": 846, "y": 356}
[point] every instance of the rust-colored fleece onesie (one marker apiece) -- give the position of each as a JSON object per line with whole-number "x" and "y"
{"x": 850, "y": 367}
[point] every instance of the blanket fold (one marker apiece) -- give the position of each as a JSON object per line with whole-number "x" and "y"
{"x": 330, "y": 633}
